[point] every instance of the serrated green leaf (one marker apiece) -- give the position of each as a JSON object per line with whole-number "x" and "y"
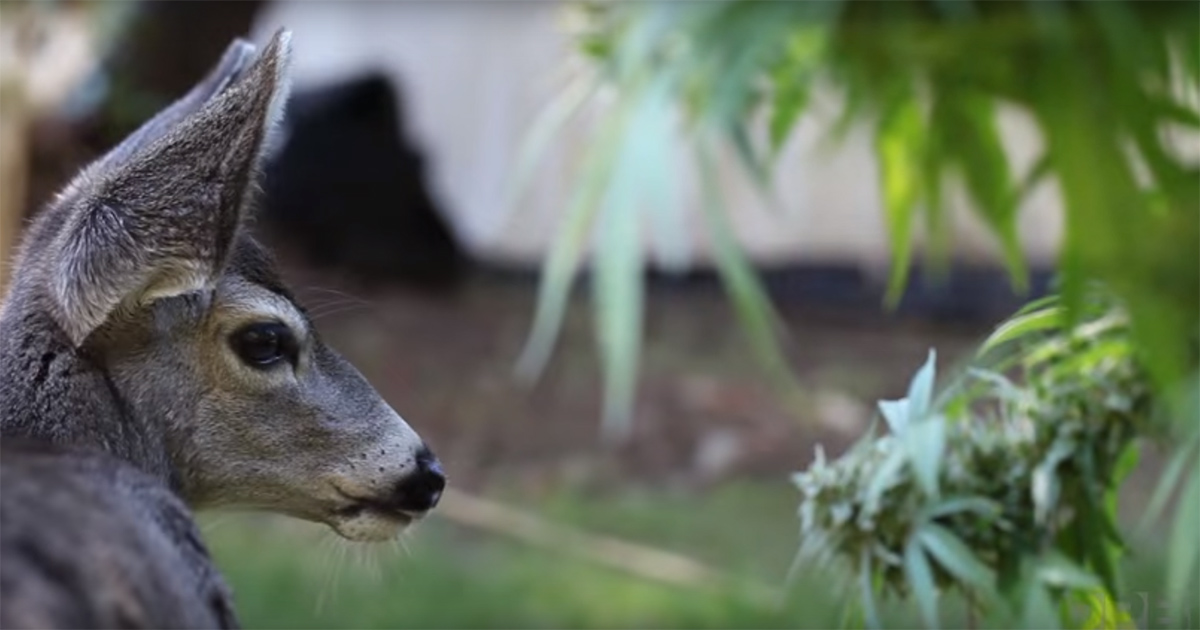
{"x": 1059, "y": 571}
{"x": 955, "y": 505}
{"x": 793, "y": 81}
{"x": 666, "y": 208}
{"x": 1093, "y": 530}
{"x": 1039, "y": 304}
{"x": 547, "y": 126}
{"x": 1042, "y": 169}
{"x": 867, "y": 590}
{"x": 1186, "y": 45}
{"x": 898, "y": 146}
{"x": 1002, "y": 388}
{"x": 956, "y": 558}
{"x": 1095, "y": 178}
{"x": 980, "y": 155}
{"x": 1023, "y": 326}
{"x": 926, "y": 442}
{"x": 852, "y": 618}
{"x": 884, "y": 478}
{"x": 920, "y": 390}
{"x": 920, "y": 579}
{"x": 895, "y": 412}
{"x": 1126, "y": 462}
{"x": 560, "y": 266}
{"x": 791, "y": 99}
{"x": 617, "y": 289}
{"x": 1184, "y": 543}
{"x": 1038, "y": 609}
{"x": 756, "y": 165}
{"x": 1046, "y": 484}
{"x": 751, "y": 303}
{"x": 1168, "y": 482}
{"x": 618, "y": 296}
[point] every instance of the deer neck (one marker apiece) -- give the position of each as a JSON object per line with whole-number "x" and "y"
{"x": 53, "y": 392}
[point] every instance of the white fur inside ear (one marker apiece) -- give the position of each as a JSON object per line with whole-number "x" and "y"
{"x": 282, "y": 84}
{"x": 180, "y": 278}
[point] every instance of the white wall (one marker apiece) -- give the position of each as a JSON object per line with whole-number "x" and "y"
{"x": 476, "y": 74}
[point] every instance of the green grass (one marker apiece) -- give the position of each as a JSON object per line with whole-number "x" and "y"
{"x": 291, "y": 575}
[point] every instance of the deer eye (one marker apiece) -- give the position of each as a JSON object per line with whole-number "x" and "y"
{"x": 264, "y": 344}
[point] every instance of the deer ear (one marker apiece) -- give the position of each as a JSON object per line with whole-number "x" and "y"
{"x": 233, "y": 63}
{"x": 158, "y": 216}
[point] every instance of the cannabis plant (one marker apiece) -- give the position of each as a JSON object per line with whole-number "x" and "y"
{"x": 1112, "y": 87}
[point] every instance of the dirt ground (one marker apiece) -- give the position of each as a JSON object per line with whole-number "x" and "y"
{"x": 703, "y": 412}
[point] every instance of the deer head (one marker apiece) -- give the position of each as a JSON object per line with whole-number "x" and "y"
{"x": 143, "y": 319}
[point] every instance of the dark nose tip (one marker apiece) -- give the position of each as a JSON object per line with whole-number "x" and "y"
{"x": 421, "y": 490}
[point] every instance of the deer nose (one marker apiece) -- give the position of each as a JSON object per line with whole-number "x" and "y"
{"x": 421, "y": 490}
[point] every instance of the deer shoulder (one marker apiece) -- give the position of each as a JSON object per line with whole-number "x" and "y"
{"x": 89, "y": 541}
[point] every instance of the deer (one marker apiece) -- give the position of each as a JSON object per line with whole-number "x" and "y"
{"x": 90, "y": 541}
{"x": 153, "y": 363}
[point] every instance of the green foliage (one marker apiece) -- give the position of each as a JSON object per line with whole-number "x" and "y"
{"x": 1004, "y": 490}
{"x": 1010, "y": 493}
{"x": 1113, "y": 88}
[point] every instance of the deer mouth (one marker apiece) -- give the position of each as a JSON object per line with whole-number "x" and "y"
{"x": 368, "y": 507}
{"x": 363, "y": 519}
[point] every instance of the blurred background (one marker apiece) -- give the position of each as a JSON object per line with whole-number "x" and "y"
{"x": 387, "y": 205}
